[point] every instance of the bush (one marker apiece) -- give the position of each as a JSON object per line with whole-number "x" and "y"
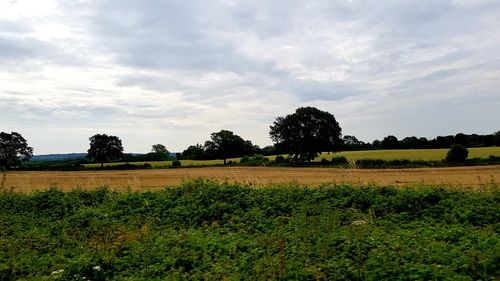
{"x": 457, "y": 154}
{"x": 279, "y": 159}
{"x": 245, "y": 159}
{"x": 339, "y": 161}
{"x": 324, "y": 161}
{"x": 256, "y": 160}
{"x": 176, "y": 164}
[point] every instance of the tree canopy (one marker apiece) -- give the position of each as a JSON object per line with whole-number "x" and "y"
{"x": 104, "y": 148}
{"x": 225, "y": 144}
{"x": 457, "y": 154}
{"x": 13, "y": 150}
{"x": 159, "y": 149}
{"x": 306, "y": 133}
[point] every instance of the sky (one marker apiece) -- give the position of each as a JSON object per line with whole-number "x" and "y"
{"x": 172, "y": 72}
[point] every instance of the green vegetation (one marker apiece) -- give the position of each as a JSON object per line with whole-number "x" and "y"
{"x": 304, "y": 134}
{"x": 457, "y": 154}
{"x": 104, "y": 148}
{"x": 13, "y": 150}
{"x": 210, "y": 231}
{"x": 415, "y": 154}
{"x": 410, "y": 154}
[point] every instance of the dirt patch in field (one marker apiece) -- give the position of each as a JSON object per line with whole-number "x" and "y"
{"x": 465, "y": 178}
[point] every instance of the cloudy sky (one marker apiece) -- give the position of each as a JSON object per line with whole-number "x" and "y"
{"x": 174, "y": 71}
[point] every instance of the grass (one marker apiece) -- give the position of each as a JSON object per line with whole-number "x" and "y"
{"x": 204, "y": 230}
{"x": 411, "y": 154}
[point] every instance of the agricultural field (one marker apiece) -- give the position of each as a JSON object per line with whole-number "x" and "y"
{"x": 204, "y": 230}
{"x": 464, "y": 178}
{"x": 410, "y": 154}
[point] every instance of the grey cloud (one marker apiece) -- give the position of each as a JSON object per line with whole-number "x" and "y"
{"x": 19, "y": 49}
{"x": 176, "y": 65}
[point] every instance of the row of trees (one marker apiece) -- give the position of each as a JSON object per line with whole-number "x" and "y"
{"x": 303, "y": 135}
{"x": 392, "y": 142}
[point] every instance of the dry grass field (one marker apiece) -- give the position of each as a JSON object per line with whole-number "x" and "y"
{"x": 464, "y": 178}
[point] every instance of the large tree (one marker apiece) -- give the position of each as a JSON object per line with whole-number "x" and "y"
{"x": 225, "y": 144}
{"x": 306, "y": 133}
{"x": 104, "y": 148}
{"x": 13, "y": 150}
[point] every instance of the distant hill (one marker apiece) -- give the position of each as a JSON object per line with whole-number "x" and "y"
{"x": 57, "y": 157}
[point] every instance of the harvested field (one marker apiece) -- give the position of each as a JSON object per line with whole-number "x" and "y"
{"x": 465, "y": 178}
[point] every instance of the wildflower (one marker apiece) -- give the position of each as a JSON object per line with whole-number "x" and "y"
{"x": 56, "y": 272}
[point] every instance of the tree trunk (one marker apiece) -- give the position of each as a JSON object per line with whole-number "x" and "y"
{"x": 102, "y": 164}
{"x": 224, "y": 161}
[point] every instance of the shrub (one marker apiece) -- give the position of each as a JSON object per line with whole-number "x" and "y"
{"x": 339, "y": 161}
{"x": 176, "y": 163}
{"x": 245, "y": 159}
{"x": 324, "y": 161}
{"x": 256, "y": 160}
{"x": 457, "y": 154}
{"x": 279, "y": 159}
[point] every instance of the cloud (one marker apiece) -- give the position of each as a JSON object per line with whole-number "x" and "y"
{"x": 179, "y": 70}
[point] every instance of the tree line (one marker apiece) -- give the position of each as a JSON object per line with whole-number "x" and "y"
{"x": 392, "y": 142}
{"x": 303, "y": 135}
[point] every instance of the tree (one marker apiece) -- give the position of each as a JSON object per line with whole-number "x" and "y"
{"x": 194, "y": 152}
{"x": 496, "y": 138}
{"x": 390, "y": 142}
{"x": 306, "y": 133}
{"x": 462, "y": 139}
{"x": 457, "y": 154}
{"x": 410, "y": 143}
{"x": 13, "y": 150}
{"x": 104, "y": 148}
{"x": 352, "y": 143}
{"x": 225, "y": 144}
{"x": 159, "y": 149}
{"x": 159, "y": 152}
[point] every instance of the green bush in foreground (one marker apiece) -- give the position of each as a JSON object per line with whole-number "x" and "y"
{"x": 209, "y": 231}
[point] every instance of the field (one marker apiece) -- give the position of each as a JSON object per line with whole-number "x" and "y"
{"x": 411, "y": 154}
{"x": 465, "y": 178}
{"x": 210, "y": 231}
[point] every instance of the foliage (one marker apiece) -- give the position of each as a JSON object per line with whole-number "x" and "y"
{"x": 306, "y": 133}
{"x": 158, "y": 153}
{"x": 210, "y": 231}
{"x": 159, "y": 149}
{"x": 390, "y": 142}
{"x": 194, "y": 152}
{"x": 225, "y": 144}
{"x": 496, "y": 138}
{"x": 56, "y": 165}
{"x": 279, "y": 159}
{"x": 339, "y": 161}
{"x": 176, "y": 163}
{"x": 14, "y": 150}
{"x": 104, "y": 148}
{"x": 412, "y": 142}
{"x": 457, "y": 154}
{"x": 256, "y": 160}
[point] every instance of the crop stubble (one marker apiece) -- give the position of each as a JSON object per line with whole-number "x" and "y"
{"x": 465, "y": 178}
